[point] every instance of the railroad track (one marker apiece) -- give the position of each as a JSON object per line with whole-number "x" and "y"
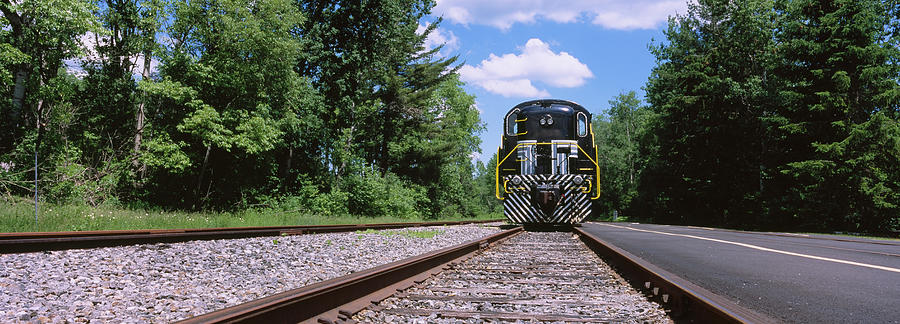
{"x": 535, "y": 276}
{"x": 52, "y": 241}
{"x": 507, "y": 277}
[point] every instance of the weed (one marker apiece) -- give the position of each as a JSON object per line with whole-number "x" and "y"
{"x": 423, "y": 234}
{"x": 405, "y": 233}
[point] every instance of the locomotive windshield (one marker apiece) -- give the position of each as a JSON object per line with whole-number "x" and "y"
{"x": 511, "y": 124}
{"x": 582, "y": 125}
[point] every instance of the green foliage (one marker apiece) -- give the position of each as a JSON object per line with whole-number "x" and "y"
{"x": 256, "y": 134}
{"x": 37, "y": 36}
{"x": 331, "y": 108}
{"x": 618, "y": 140}
{"x": 868, "y": 159}
{"x": 483, "y": 188}
{"x": 206, "y": 124}
{"x": 775, "y": 114}
{"x": 427, "y": 234}
{"x": 18, "y": 216}
{"x": 160, "y": 152}
{"x": 373, "y": 195}
{"x": 77, "y": 183}
{"x": 832, "y": 90}
{"x": 709, "y": 95}
{"x": 9, "y": 57}
{"x": 166, "y": 88}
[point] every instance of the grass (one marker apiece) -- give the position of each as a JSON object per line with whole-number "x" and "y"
{"x": 880, "y": 238}
{"x": 408, "y": 233}
{"x": 19, "y": 217}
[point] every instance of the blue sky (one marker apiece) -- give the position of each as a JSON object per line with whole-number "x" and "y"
{"x": 586, "y": 51}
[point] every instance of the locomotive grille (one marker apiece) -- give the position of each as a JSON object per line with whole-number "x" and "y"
{"x": 574, "y": 204}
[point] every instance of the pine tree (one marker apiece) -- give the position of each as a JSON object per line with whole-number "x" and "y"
{"x": 709, "y": 93}
{"x": 838, "y": 84}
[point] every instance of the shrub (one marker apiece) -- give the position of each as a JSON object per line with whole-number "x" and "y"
{"x": 370, "y": 194}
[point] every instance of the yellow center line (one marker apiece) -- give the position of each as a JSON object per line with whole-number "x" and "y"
{"x": 755, "y": 247}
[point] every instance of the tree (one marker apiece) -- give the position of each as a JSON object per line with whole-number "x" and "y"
{"x": 241, "y": 94}
{"x": 709, "y": 93}
{"x": 778, "y": 115}
{"x": 450, "y": 146}
{"x": 618, "y": 141}
{"x": 485, "y": 177}
{"x": 113, "y": 110}
{"x": 335, "y": 104}
{"x": 835, "y": 63}
{"x": 43, "y": 34}
{"x": 368, "y": 62}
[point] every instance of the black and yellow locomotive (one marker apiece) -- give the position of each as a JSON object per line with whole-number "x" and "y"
{"x": 547, "y": 169}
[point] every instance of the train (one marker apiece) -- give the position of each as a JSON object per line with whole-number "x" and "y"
{"x": 547, "y": 172}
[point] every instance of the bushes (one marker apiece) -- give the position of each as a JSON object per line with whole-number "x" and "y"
{"x": 333, "y": 203}
{"x": 366, "y": 194}
{"x": 370, "y": 194}
{"x": 74, "y": 182}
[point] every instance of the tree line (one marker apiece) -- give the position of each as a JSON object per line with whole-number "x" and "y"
{"x": 329, "y": 106}
{"x": 764, "y": 114}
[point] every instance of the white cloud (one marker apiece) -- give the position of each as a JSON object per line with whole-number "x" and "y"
{"x": 438, "y": 37}
{"x": 612, "y": 14}
{"x": 477, "y": 107}
{"x": 511, "y": 75}
{"x": 513, "y": 88}
{"x": 649, "y": 15}
{"x": 89, "y": 43}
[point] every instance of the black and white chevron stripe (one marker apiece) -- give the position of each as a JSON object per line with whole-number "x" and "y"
{"x": 573, "y": 208}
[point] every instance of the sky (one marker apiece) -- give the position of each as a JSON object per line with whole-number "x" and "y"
{"x": 586, "y": 51}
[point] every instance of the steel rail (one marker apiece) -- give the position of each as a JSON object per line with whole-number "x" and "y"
{"x": 51, "y": 241}
{"x": 339, "y": 298}
{"x": 687, "y": 301}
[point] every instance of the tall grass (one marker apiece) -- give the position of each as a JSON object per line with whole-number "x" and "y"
{"x": 18, "y": 216}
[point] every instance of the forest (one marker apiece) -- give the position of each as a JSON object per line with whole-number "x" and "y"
{"x": 334, "y": 107}
{"x": 759, "y": 114}
{"x": 766, "y": 115}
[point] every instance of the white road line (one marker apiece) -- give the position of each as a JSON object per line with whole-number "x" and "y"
{"x": 755, "y": 247}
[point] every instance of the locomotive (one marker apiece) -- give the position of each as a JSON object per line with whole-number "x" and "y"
{"x": 547, "y": 172}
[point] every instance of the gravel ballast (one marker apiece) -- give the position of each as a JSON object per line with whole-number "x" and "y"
{"x": 533, "y": 277}
{"x": 166, "y": 282}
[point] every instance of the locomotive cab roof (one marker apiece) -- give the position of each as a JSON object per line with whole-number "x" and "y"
{"x": 548, "y": 103}
{"x": 547, "y": 119}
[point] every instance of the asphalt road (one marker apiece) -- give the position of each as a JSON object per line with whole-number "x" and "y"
{"x": 793, "y": 278}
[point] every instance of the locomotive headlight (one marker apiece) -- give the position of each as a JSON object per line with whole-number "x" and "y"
{"x": 543, "y": 122}
{"x": 516, "y": 180}
{"x": 578, "y": 180}
{"x": 549, "y": 120}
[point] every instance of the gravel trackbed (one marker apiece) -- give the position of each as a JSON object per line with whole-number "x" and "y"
{"x": 167, "y": 282}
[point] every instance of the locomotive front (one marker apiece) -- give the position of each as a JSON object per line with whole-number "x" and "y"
{"x": 547, "y": 168}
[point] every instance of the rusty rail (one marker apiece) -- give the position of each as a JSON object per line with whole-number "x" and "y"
{"x": 50, "y": 241}
{"x": 688, "y": 302}
{"x": 339, "y": 298}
